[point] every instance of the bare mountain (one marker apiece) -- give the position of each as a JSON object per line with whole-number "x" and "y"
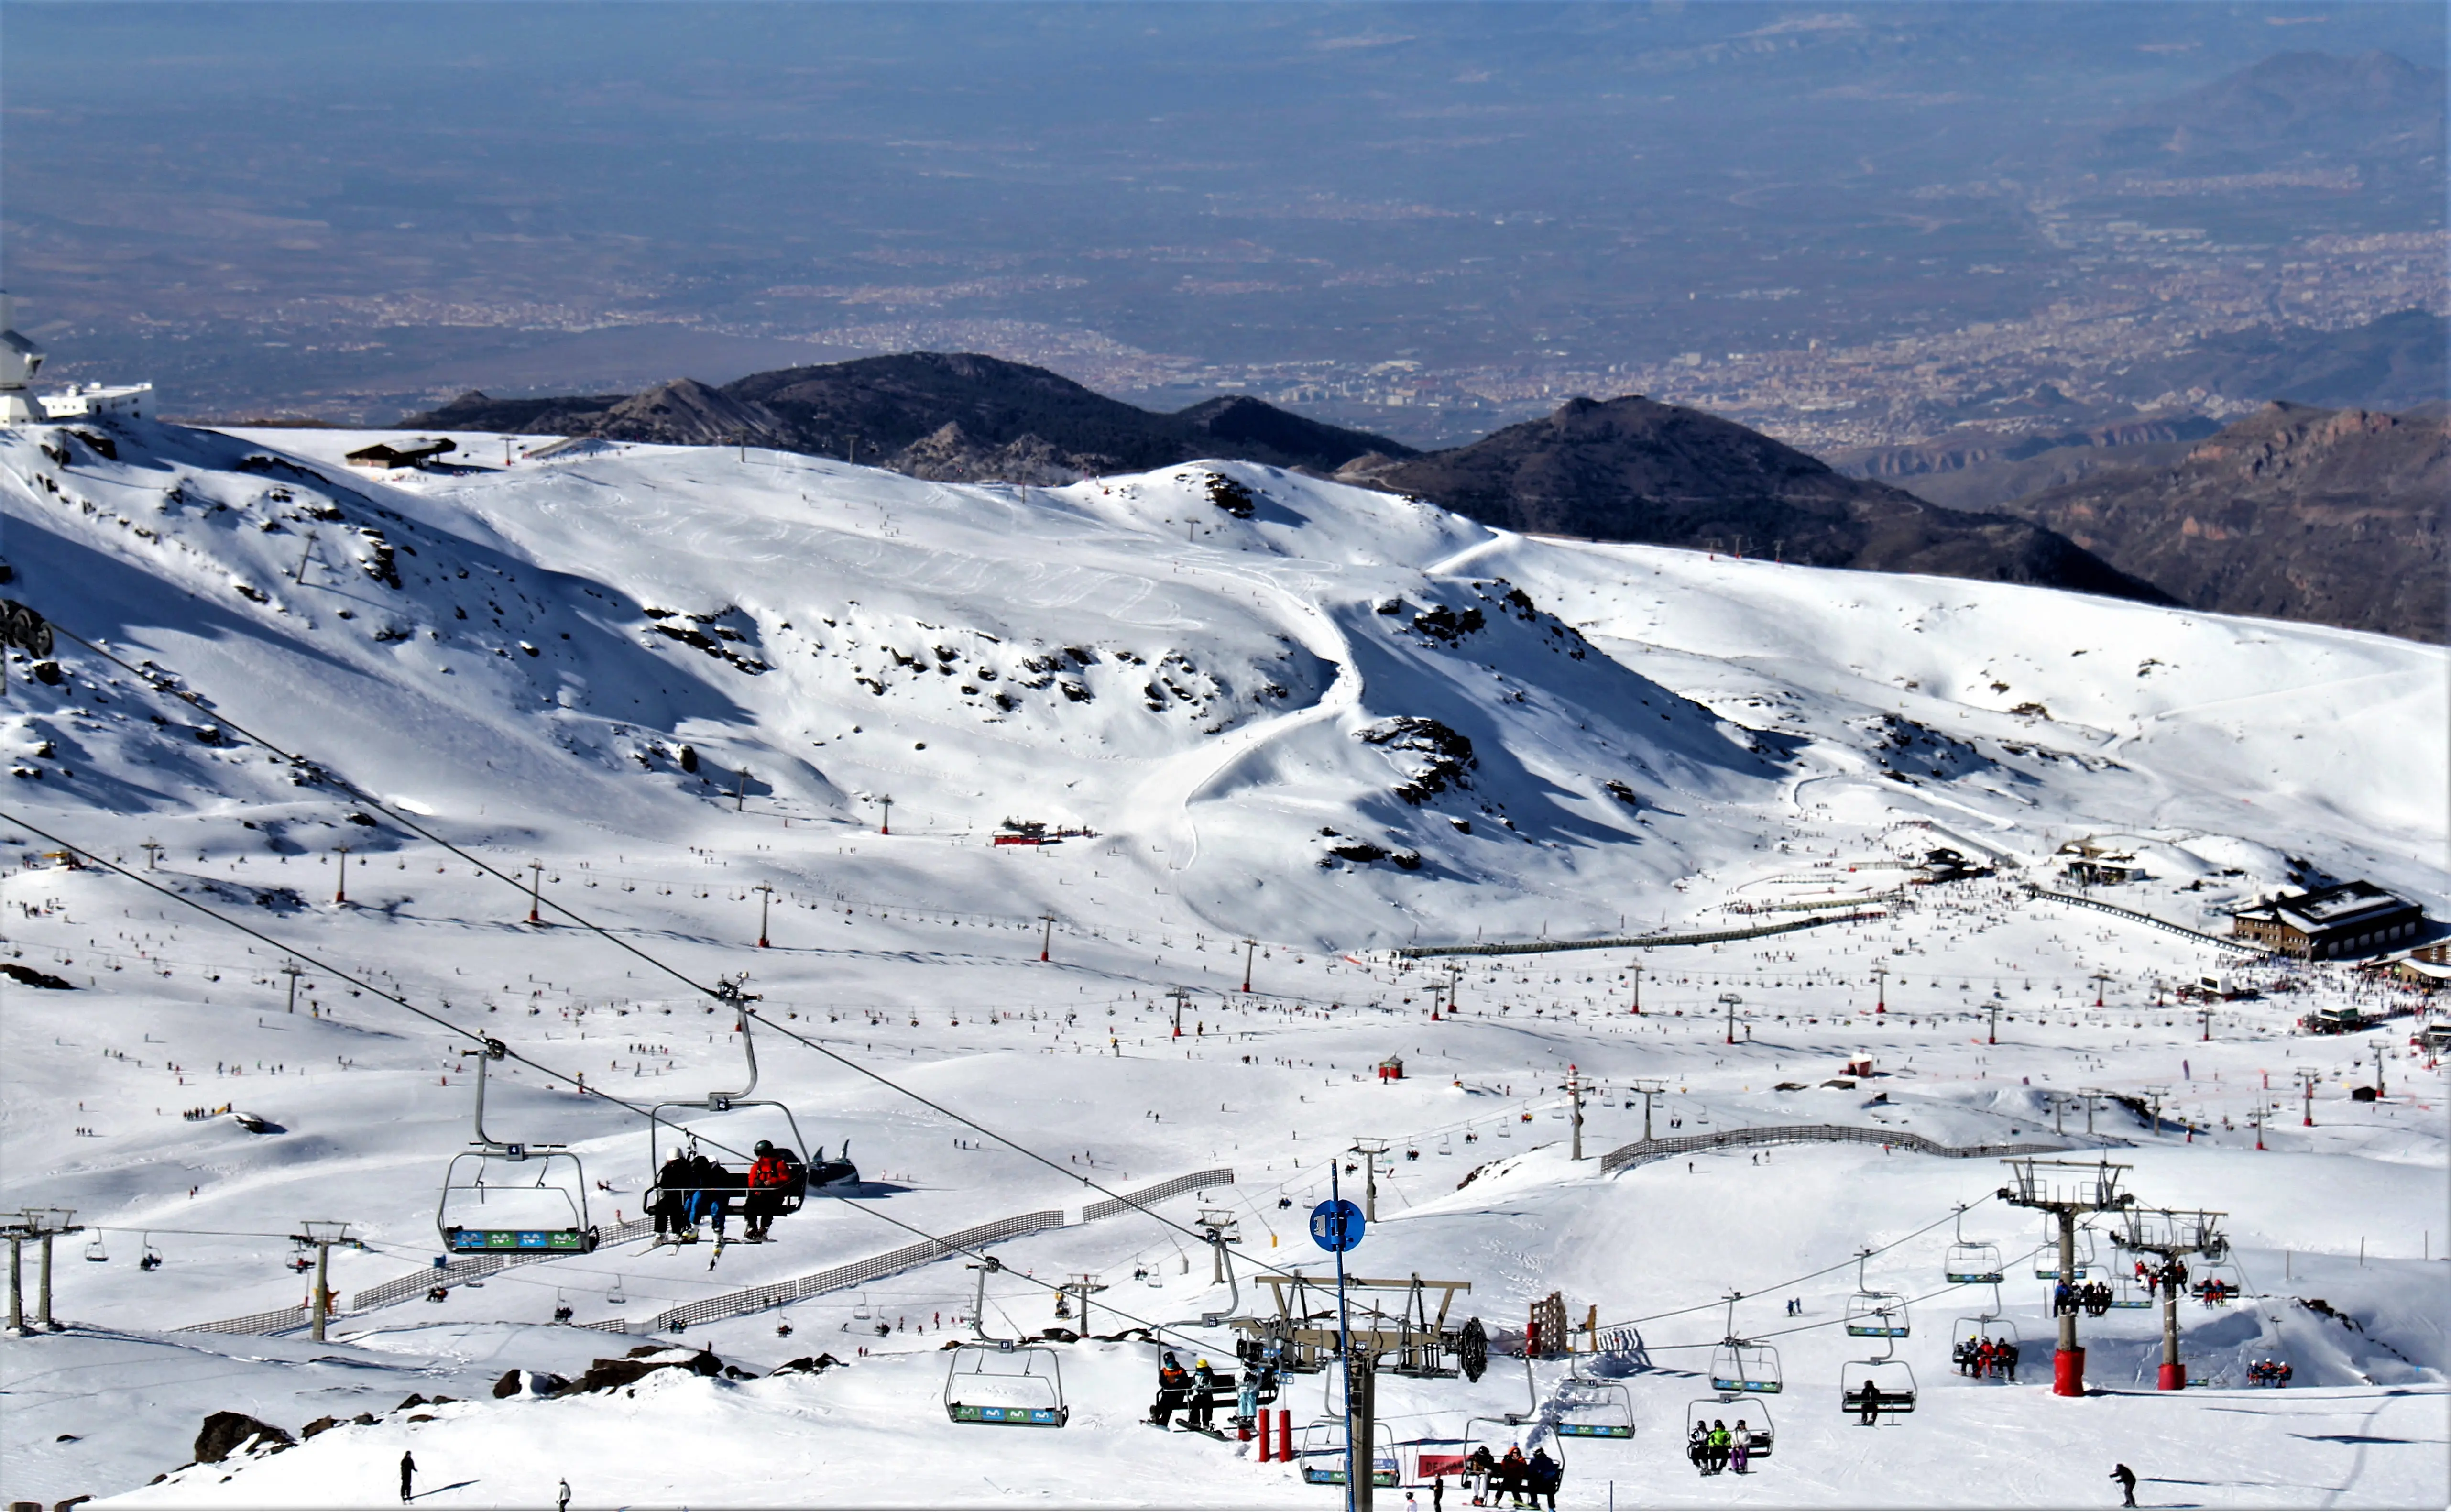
{"x": 1631, "y": 469}
{"x": 2373, "y": 110}
{"x": 950, "y": 416}
{"x": 2295, "y": 512}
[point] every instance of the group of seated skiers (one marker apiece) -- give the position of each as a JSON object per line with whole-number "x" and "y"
{"x": 691, "y": 1190}
{"x": 1984, "y": 1358}
{"x": 1197, "y": 1393}
{"x": 1715, "y": 1448}
{"x": 2268, "y": 1373}
{"x": 2093, "y": 1298}
{"x": 2215, "y": 1292}
{"x": 1488, "y": 1476}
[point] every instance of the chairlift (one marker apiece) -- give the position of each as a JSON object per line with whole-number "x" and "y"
{"x": 500, "y": 1195}
{"x": 2222, "y": 1274}
{"x": 1014, "y": 1385}
{"x": 1972, "y": 1264}
{"x": 1732, "y": 1408}
{"x": 1446, "y": 1145}
{"x": 1588, "y": 1407}
{"x": 1742, "y": 1364}
{"x": 152, "y": 1258}
{"x": 1321, "y": 1450}
{"x": 763, "y": 1118}
{"x": 859, "y": 1310}
{"x": 613, "y": 1294}
{"x": 94, "y": 1250}
{"x": 1874, "y": 1314}
{"x": 1983, "y": 1326}
{"x": 1884, "y": 1388}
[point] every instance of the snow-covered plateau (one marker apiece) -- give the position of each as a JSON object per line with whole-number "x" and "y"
{"x": 333, "y": 775}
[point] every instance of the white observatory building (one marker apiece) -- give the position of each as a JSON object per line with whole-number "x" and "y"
{"x": 20, "y": 359}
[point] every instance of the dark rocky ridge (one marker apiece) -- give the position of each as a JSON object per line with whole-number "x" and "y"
{"x": 2295, "y": 513}
{"x": 950, "y": 416}
{"x": 1631, "y": 469}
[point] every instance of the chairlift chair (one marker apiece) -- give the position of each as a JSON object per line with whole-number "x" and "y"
{"x": 1893, "y": 1385}
{"x": 1973, "y": 1264}
{"x": 94, "y": 1250}
{"x": 1744, "y": 1366}
{"x": 2047, "y": 1260}
{"x": 501, "y": 1196}
{"x": 613, "y": 1294}
{"x": 1731, "y": 1407}
{"x": 152, "y": 1258}
{"x": 672, "y": 1116}
{"x": 1874, "y": 1314}
{"x": 1321, "y": 1450}
{"x": 1014, "y": 1385}
{"x": 2225, "y": 1272}
{"x": 1984, "y": 1326}
{"x": 1587, "y": 1407}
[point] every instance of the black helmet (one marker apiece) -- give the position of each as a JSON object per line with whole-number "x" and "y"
{"x": 764, "y": 1147}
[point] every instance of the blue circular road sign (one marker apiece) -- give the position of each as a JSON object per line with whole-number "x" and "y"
{"x": 1336, "y": 1225}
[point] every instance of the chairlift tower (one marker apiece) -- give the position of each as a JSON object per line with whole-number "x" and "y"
{"x": 323, "y": 1233}
{"x": 1369, "y": 1149}
{"x": 1574, "y": 1100}
{"x": 1181, "y": 997}
{"x": 1221, "y": 1227}
{"x": 2308, "y": 1077}
{"x": 1249, "y": 947}
{"x": 2168, "y": 1236}
{"x": 1650, "y": 1087}
{"x": 1730, "y": 1001}
{"x": 44, "y": 1224}
{"x": 765, "y": 902}
{"x": 2065, "y": 1189}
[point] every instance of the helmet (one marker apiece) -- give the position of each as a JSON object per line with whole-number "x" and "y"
{"x": 1204, "y": 1365}
{"x": 765, "y": 1146}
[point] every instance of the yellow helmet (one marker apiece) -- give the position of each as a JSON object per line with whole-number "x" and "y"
{"x": 1204, "y": 1365}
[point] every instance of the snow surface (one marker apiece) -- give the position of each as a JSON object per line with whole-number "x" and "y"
{"x": 1657, "y": 740}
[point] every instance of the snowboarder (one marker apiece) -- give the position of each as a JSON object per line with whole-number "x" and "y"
{"x": 1173, "y": 1382}
{"x": 2127, "y": 1479}
{"x": 407, "y": 1469}
{"x": 1204, "y": 1397}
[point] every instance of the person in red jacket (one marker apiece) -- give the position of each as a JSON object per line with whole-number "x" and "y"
{"x": 770, "y": 1176}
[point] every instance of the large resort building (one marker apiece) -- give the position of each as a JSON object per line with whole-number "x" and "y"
{"x": 2333, "y": 923}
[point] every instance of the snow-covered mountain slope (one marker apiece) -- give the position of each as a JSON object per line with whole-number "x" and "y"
{"x": 1234, "y": 697}
{"x": 1327, "y": 720}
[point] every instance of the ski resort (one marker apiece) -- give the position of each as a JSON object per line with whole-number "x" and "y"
{"x": 516, "y": 969}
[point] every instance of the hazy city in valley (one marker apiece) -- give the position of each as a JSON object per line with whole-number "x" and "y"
{"x": 707, "y": 707}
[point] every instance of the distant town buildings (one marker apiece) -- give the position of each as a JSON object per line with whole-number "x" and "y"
{"x": 2330, "y": 923}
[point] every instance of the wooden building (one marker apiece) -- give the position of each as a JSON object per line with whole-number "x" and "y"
{"x": 2344, "y": 922}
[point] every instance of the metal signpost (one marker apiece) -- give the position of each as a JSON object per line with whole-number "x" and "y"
{"x": 1336, "y": 1225}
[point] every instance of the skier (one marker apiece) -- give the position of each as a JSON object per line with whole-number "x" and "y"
{"x": 1697, "y": 1447}
{"x": 1246, "y": 1399}
{"x": 770, "y": 1178}
{"x": 561, "y": 1499}
{"x": 1544, "y": 1474}
{"x": 2127, "y": 1479}
{"x": 1722, "y": 1445}
{"x": 407, "y": 1469}
{"x": 1740, "y": 1446}
{"x": 1868, "y": 1401}
{"x": 671, "y": 1208}
{"x": 1512, "y": 1472}
{"x": 2008, "y": 1360}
